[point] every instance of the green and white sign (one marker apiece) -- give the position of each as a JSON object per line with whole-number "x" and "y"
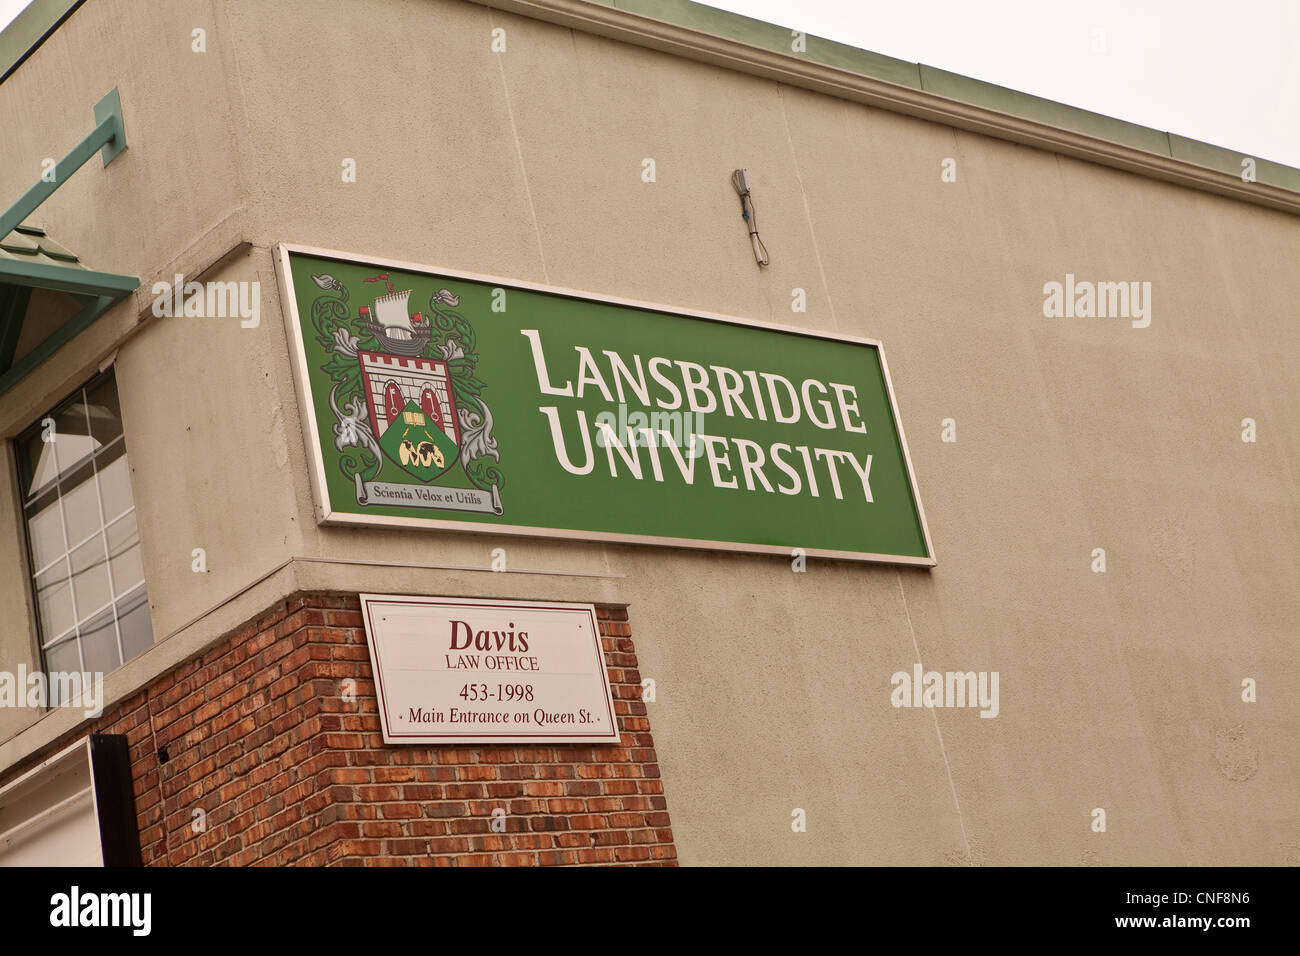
{"x": 445, "y": 400}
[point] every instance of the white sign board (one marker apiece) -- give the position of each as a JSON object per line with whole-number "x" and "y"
{"x": 449, "y": 670}
{"x": 48, "y": 816}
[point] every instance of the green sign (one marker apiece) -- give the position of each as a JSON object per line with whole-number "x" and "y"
{"x": 442, "y": 400}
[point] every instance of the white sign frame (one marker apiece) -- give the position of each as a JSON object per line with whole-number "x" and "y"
{"x": 383, "y": 659}
{"x": 326, "y": 515}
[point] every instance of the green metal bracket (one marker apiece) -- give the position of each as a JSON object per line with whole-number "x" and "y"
{"x": 108, "y": 138}
{"x": 96, "y": 292}
{"x": 109, "y": 109}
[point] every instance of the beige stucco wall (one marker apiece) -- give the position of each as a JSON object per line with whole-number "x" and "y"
{"x": 1119, "y": 691}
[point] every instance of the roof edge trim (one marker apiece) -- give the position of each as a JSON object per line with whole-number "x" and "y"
{"x": 696, "y": 32}
{"x": 30, "y": 29}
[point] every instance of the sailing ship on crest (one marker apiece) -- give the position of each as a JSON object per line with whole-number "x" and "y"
{"x": 390, "y": 321}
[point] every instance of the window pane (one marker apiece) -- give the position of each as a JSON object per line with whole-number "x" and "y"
{"x": 38, "y": 465}
{"x": 115, "y": 487}
{"x": 124, "y": 554}
{"x": 80, "y": 505}
{"x": 105, "y": 413}
{"x": 99, "y": 644}
{"x": 45, "y": 532}
{"x": 90, "y": 576}
{"x": 133, "y": 622}
{"x": 92, "y": 604}
{"x": 61, "y": 659}
{"x": 54, "y": 601}
{"x": 72, "y": 441}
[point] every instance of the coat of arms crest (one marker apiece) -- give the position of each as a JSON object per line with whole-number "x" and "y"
{"x": 406, "y": 401}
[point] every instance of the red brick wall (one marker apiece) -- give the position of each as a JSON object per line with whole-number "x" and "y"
{"x": 258, "y": 736}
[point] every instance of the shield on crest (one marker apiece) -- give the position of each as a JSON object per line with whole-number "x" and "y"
{"x": 412, "y": 412}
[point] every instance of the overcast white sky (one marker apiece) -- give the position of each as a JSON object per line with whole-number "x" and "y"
{"x": 1225, "y": 73}
{"x": 9, "y": 9}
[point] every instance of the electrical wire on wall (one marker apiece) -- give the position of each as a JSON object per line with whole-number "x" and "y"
{"x": 740, "y": 179}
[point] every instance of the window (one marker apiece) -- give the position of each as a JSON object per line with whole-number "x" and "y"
{"x": 83, "y": 547}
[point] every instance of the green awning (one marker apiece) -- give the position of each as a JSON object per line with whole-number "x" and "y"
{"x": 47, "y": 296}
